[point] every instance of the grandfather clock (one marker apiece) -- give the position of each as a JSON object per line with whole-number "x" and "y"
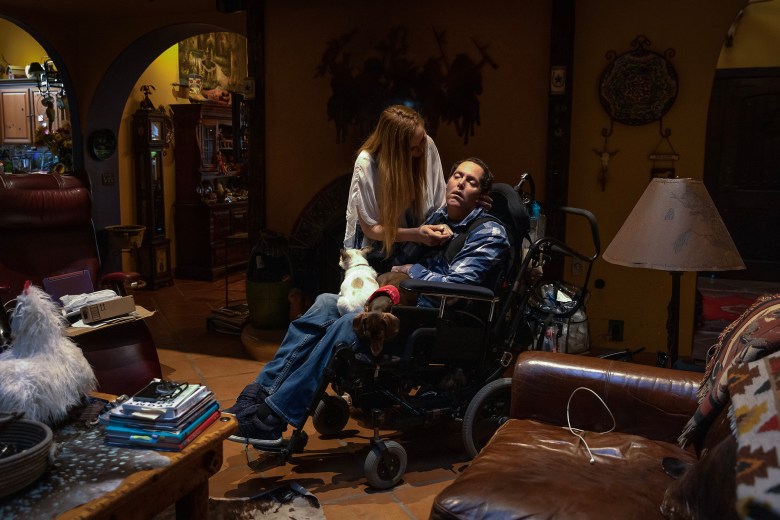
{"x": 153, "y": 257}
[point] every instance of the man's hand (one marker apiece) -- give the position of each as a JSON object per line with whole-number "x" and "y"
{"x": 435, "y": 234}
{"x": 401, "y": 268}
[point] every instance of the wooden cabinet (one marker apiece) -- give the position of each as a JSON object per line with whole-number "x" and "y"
{"x": 210, "y": 213}
{"x": 22, "y": 111}
{"x": 209, "y": 239}
{"x": 16, "y": 116}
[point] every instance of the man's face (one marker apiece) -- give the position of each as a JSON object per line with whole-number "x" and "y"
{"x": 463, "y": 190}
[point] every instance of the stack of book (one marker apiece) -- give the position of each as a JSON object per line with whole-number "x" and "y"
{"x": 164, "y": 416}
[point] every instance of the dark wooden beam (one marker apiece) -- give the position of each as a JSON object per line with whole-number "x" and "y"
{"x": 256, "y": 156}
{"x": 556, "y": 184}
{"x": 559, "y": 113}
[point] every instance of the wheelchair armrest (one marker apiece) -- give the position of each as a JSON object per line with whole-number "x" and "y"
{"x": 474, "y": 292}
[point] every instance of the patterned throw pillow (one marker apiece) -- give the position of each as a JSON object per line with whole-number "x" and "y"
{"x": 754, "y": 414}
{"x": 752, "y": 336}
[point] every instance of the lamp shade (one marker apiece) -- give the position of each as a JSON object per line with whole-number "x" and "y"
{"x": 34, "y": 71}
{"x": 675, "y": 227}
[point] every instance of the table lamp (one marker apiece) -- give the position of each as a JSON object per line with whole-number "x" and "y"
{"x": 674, "y": 227}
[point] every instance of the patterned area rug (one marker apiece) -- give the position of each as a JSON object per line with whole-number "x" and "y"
{"x": 755, "y": 396}
{"x": 288, "y": 502}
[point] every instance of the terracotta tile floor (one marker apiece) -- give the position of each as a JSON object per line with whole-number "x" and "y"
{"x": 330, "y": 468}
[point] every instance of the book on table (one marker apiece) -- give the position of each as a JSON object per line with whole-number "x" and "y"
{"x": 118, "y": 435}
{"x": 164, "y": 415}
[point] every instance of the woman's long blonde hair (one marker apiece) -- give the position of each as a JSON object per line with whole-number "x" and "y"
{"x": 402, "y": 178}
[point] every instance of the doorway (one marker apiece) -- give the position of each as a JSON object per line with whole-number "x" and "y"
{"x": 742, "y": 165}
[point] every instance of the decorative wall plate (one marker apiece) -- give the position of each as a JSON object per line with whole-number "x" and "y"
{"x": 102, "y": 144}
{"x": 639, "y": 86}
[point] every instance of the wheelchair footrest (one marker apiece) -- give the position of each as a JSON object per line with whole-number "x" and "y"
{"x": 265, "y": 458}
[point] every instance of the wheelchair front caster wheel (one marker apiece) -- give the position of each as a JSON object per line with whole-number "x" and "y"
{"x": 298, "y": 442}
{"x": 331, "y": 415}
{"x": 384, "y": 468}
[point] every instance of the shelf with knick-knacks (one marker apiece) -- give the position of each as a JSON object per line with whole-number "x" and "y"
{"x": 211, "y": 193}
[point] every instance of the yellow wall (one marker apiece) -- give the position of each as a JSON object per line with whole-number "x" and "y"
{"x": 639, "y": 296}
{"x": 302, "y": 153}
{"x": 17, "y": 47}
{"x": 162, "y": 73}
{"x": 756, "y": 38}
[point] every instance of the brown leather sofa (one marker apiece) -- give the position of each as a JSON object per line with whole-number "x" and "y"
{"x": 535, "y": 467}
{"x": 46, "y": 229}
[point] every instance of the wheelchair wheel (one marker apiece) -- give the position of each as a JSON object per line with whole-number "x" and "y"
{"x": 331, "y": 415}
{"x": 488, "y": 410}
{"x": 384, "y": 470}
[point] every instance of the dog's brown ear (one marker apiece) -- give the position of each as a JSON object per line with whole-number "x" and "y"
{"x": 357, "y": 325}
{"x": 392, "y": 325}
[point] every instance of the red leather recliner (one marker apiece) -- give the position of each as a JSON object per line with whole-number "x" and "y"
{"x": 46, "y": 229}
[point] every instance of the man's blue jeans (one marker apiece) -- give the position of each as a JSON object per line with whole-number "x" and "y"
{"x": 292, "y": 376}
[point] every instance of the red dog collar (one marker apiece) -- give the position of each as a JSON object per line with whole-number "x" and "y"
{"x": 389, "y": 290}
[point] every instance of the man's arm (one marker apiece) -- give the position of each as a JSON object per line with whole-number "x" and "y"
{"x": 485, "y": 247}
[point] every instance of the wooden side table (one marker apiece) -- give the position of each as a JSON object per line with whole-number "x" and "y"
{"x": 185, "y": 482}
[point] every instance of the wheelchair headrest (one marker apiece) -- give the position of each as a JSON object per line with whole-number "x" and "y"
{"x": 508, "y": 207}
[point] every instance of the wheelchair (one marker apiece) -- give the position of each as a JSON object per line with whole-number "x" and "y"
{"x": 451, "y": 362}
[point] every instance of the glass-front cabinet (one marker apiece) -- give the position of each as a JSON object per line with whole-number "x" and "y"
{"x": 210, "y": 210}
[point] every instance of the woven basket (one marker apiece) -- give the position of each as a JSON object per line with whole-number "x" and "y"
{"x": 33, "y": 442}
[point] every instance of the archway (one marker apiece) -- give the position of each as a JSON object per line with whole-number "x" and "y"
{"x": 743, "y": 139}
{"x": 741, "y": 167}
{"x": 50, "y": 52}
{"x": 108, "y": 104}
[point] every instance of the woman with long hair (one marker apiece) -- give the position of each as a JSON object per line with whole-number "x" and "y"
{"x": 396, "y": 183}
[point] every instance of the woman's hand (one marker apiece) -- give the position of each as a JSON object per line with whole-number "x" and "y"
{"x": 435, "y": 234}
{"x": 486, "y": 201}
{"x": 401, "y": 268}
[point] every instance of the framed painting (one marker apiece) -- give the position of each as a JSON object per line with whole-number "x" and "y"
{"x": 212, "y": 61}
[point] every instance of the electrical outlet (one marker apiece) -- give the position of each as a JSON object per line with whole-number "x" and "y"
{"x": 615, "y": 329}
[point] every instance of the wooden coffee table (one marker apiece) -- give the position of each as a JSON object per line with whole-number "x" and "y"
{"x": 185, "y": 482}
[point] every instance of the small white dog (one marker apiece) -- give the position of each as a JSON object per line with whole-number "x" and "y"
{"x": 43, "y": 373}
{"x": 359, "y": 280}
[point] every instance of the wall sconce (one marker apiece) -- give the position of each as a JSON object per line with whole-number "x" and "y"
{"x": 34, "y": 71}
{"x": 45, "y": 75}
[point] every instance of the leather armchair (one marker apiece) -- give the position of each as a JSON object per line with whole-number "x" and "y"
{"x": 46, "y": 229}
{"x": 535, "y": 467}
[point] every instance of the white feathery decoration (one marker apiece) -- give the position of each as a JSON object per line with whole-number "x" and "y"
{"x": 43, "y": 373}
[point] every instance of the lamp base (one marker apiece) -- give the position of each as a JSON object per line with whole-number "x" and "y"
{"x": 673, "y": 319}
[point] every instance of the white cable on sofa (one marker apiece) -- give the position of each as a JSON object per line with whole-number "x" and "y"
{"x": 578, "y": 433}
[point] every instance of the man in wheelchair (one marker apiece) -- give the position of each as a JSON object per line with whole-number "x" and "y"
{"x": 284, "y": 390}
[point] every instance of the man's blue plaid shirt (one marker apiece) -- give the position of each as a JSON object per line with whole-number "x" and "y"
{"x": 477, "y": 263}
